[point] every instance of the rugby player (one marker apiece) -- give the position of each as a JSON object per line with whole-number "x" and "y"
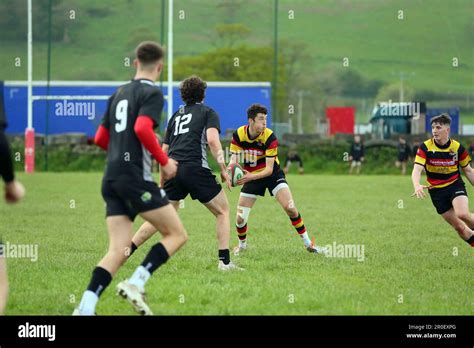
{"x": 259, "y": 146}
{"x": 441, "y": 158}
{"x": 128, "y": 188}
{"x": 14, "y": 192}
{"x": 189, "y": 131}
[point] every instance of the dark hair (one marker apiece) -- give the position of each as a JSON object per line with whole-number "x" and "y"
{"x": 441, "y": 119}
{"x": 149, "y": 52}
{"x": 255, "y": 109}
{"x": 193, "y": 90}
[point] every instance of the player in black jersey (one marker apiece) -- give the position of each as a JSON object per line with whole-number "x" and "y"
{"x": 404, "y": 154}
{"x": 14, "y": 191}
{"x": 189, "y": 131}
{"x": 128, "y": 187}
{"x": 356, "y": 154}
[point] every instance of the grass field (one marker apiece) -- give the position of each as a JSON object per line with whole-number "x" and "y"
{"x": 408, "y": 252}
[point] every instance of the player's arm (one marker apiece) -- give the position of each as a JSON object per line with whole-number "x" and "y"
{"x": 149, "y": 118}
{"x": 464, "y": 162}
{"x": 144, "y": 130}
{"x": 14, "y": 190}
{"x": 215, "y": 146}
{"x": 420, "y": 161}
{"x": 235, "y": 148}
{"x": 102, "y": 136}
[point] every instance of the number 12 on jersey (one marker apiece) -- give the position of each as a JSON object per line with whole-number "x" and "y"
{"x": 181, "y": 122}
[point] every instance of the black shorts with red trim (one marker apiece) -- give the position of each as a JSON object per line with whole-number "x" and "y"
{"x": 442, "y": 198}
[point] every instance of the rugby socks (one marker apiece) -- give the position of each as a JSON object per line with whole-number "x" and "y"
{"x": 224, "y": 256}
{"x": 298, "y": 224}
{"x": 100, "y": 280}
{"x": 156, "y": 257}
{"x": 470, "y": 241}
{"x": 242, "y": 234}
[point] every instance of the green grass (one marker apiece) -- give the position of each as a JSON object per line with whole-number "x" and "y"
{"x": 408, "y": 251}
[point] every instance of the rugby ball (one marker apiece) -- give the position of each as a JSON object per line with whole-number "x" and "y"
{"x": 235, "y": 172}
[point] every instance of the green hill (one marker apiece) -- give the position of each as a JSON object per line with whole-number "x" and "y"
{"x": 369, "y": 33}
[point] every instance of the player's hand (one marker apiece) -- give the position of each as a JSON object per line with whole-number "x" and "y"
{"x": 14, "y": 192}
{"x": 362, "y": 159}
{"x": 419, "y": 193}
{"x": 246, "y": 178}
{"x": 226, "y": 179}
{"x": 169, "y": 170}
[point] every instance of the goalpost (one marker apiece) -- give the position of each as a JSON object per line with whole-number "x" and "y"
{"x": 30, "y": 132}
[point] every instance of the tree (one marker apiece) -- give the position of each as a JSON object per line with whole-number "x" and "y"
{"x": 392, "y": 92}
{"x": 228, "y": 35}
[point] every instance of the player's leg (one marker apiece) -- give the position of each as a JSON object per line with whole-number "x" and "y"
{"x": 3, "y": 283}
{"x": 146, "y": 231}
{"x": 285, "y": 199}
{"x": 351, "y": 167}
{"x": 244, "y": 206}
{"x": 175, "y": 192}
{"x": 404, "y": 167}
{"x": 461, "y": 209}
{"x": 460, "y": 226}
{"x": 219, "y": 206}
{"x": 301, "y": 170}
{"x": 359, "y": 166}
{"x": 120, "y": 231}
{"x": 165, "y": 219}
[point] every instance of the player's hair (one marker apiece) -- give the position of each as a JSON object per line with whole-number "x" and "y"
{"x": 255, "y": 109}
{"x": 441, "y": 119}
{"x": 148, "y": 53}
{"x": 193, "y": 90}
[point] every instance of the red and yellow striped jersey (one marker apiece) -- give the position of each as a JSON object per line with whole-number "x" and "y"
{"x": 255, "y": 151}
{"x": 442, "y": 162}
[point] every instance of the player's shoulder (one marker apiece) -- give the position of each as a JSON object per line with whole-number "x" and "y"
{"x": 207, "y": 109}
{"x": 455, "y": 143}
{"x": 241, "y": 132}
{"x": 147, "y": 88}
{"x": 427, "y": 144}
{"x": 268, "y": 133}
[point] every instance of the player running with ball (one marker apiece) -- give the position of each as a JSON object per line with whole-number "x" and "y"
{"x": 262, "y": 171}
{"x": 441, "y": 157}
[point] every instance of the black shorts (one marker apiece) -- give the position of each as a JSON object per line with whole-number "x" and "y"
{"x": 258, "y": 187}
{"x": 195, "y": 180}
{"x": 442, "y": 198}
{"x": 132, "y": 197}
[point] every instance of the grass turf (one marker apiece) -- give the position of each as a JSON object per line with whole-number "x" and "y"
{"x": 409, "y": 251}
